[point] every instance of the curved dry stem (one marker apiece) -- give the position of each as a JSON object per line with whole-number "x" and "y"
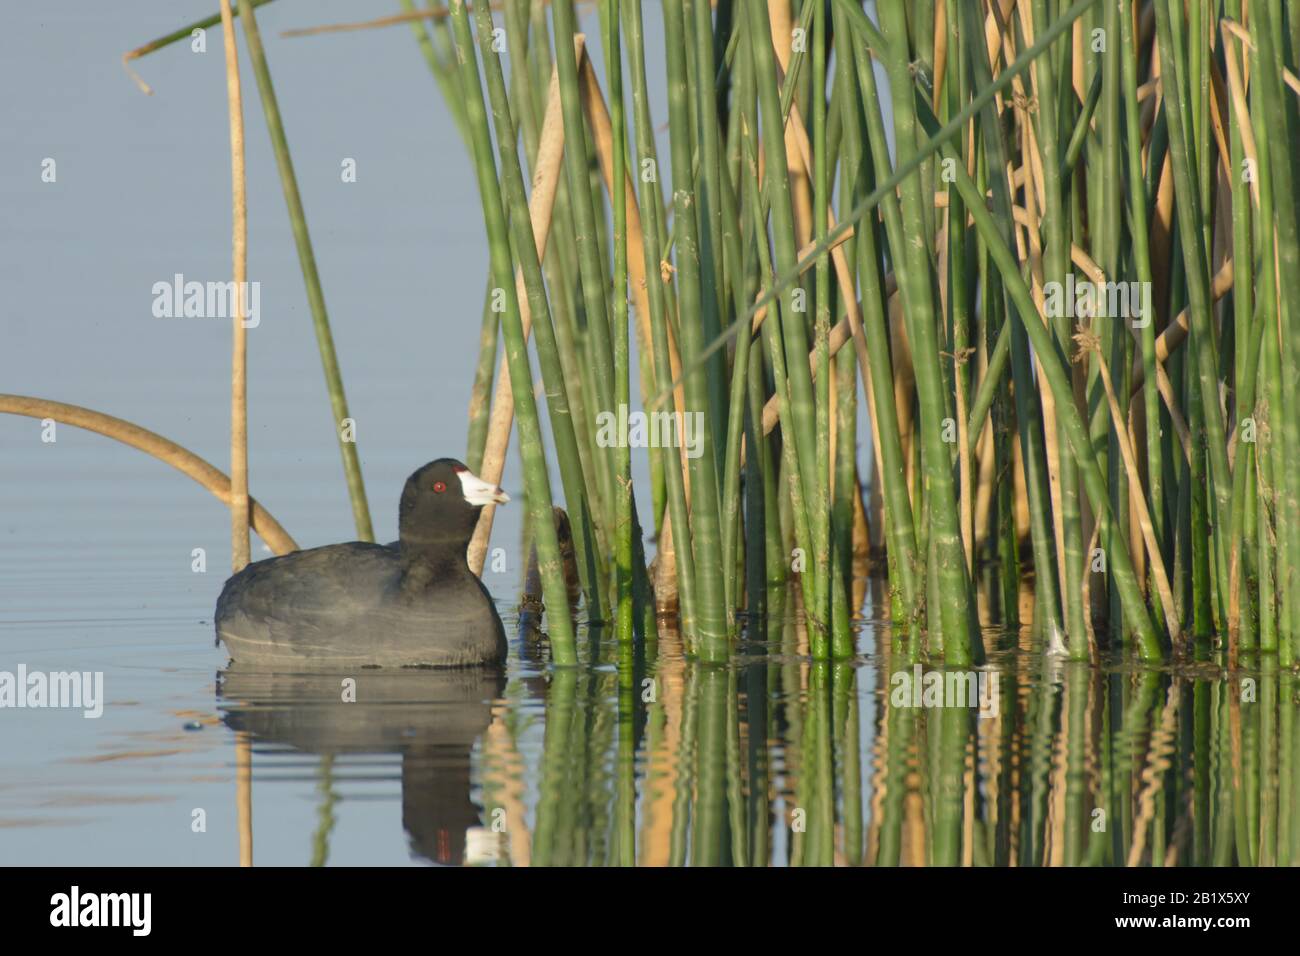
{"x": 211, "y": 478}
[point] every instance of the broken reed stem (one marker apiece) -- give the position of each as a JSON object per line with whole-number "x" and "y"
{"x": 184, "y": 33}
{"x": 239, "y": 544}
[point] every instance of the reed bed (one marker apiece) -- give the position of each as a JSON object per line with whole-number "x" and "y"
{"x": 1044, "y": 260}
{"x": 1046, "y": 251}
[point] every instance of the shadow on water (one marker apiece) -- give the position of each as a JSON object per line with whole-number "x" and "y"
{"x": 650, "y": 758}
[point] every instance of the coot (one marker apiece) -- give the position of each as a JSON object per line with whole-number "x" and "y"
{"x": 414, "y": 603}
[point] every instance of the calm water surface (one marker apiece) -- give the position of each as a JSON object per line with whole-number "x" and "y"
{"x": 631, "y": 758}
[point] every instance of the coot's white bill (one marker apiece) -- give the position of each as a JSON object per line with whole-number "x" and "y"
{"x": 479, "y": 492}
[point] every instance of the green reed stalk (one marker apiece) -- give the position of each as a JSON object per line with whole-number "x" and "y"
{"x": 894, "y": 231}
{"x": 591, "y": 272}
{"x": 758, "y": 495}
{"x": 730, "y": 490}
{"x": 798, "y": 429}
{"x": 655, "y": 226}
{"x": 766, "y": 559}
{"x": 738, "y": 269}
{"x": 574, "y": 343}
{"x": 623, "y": 523}
{"x": 1106, "y": 205}
{"x": 1274, "y": 534}
{"x": 307, "y": 260}
{"x": 819, "y": 503}
{"x": 1139, "y": 234}
{"x": 1083, "y": 126}
{"x": 711, "y": 195}
{"x": 790, "y": 86}
{"x": 912, "y": 262}
{"x": 899, "y": 526}
{"x": 443, "y": 70}
{"x": 557, "y": 401}
{"x": 923, "y": 153}
{"x": 529, "y": 104}
{"x": 1028, "y": 412}
{"x": 704, "y": 535}
{"x": 886, "y": 187}
{"x": 845, "y": 491}
{"x": 1243, "y": 575}
{"x": 590, "y": 269}
{"x": 184, "y": 33}
{"x": 1120, "y": 562}
{"x": 648, "y": 201}
{"x": 961, "y": 278}
{"x": 579, "y": 355}
{"x": 528, "y": 100}
{"x": 536, "y": 480}
{"x": 1196, "y": 265}
{"x": 480, "y": 396}
{"x": 1265, "y": 27}
{"x": 1056, "y": 263}
{"x": 784, "y": 486}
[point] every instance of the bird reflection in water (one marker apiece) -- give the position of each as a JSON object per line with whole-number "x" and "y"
{"x": 431, "y": 718}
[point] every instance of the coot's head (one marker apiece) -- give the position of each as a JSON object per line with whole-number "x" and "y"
{"x": 441, "y": 504}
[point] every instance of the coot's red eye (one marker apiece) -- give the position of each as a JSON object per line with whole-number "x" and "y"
{"x": 439, "y": 486}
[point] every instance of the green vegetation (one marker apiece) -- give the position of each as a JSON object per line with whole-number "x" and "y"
{"x": 1053, "y": 245}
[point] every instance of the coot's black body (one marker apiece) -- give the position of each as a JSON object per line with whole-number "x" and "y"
{"x": 416, "y": 604}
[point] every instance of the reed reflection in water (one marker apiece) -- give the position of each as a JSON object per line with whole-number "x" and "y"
{"x": 775, "y": 760}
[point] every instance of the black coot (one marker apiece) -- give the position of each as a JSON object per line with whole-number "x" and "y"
{"x": 414, "y": 603}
